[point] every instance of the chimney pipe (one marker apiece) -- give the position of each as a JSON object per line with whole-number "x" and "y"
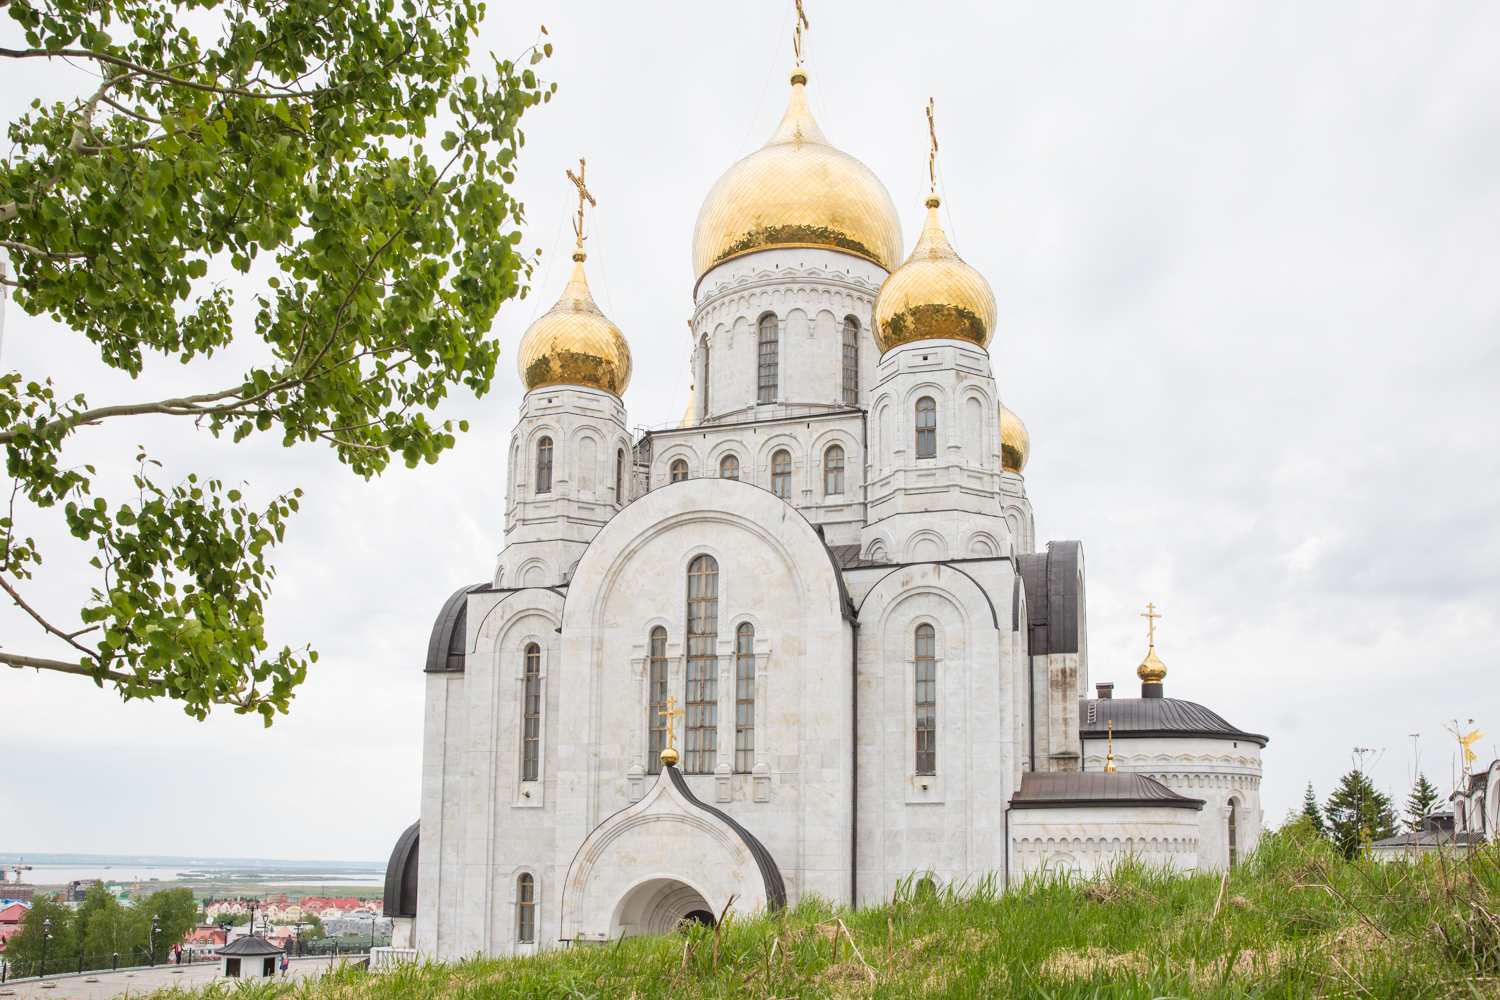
{"x": 1106, "y": 689}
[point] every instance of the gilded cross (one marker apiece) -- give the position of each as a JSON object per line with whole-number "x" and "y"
{"x": 670, "y": 713}
{"x": 932, "y": 152}
{"x": 583, "y": 195}
{"x": 1151, "y": 616}
{"x": 800, "y": 23}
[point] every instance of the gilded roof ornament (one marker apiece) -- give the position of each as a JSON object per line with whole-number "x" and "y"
{"x": 1015, "y": 442}
{"x": 574, "y": 343}
{"x": 1151, "y": 670}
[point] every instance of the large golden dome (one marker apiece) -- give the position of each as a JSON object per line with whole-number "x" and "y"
{"x": 797, "y": 191}
{"x": 573, "y": 343}
{"x": 934, "y": 295}
{"x": 1015, "y": 443}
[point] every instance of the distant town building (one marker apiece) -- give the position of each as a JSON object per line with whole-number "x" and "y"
{"x": 10, "y": 921}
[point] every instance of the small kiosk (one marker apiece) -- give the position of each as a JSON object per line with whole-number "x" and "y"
{"x": 250, "y": 957}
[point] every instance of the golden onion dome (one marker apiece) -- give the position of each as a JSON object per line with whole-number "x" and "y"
{"x": 1015, "y": 443}
{"x": 797, "y": 191}
{"x": 573, "y": 343}
{"x": 1151, "y": 670}
{"x": 934, "y": 295}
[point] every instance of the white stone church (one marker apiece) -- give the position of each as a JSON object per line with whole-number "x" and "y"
{"x": 804, "y": 642}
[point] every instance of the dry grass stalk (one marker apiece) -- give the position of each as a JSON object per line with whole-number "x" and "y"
{"x": 1223, "y": 884}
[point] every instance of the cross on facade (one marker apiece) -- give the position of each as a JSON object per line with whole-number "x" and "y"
{"x": 670, "y": 713}
{"x": 932, "y": 152}
{"x": 1150, "y": 615}
{"x": 801, "y": 23}
{"x": 583, "y": 195}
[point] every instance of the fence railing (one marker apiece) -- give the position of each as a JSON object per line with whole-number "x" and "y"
{"x": 383, "y": 959}
{"x": 73, "y": 965}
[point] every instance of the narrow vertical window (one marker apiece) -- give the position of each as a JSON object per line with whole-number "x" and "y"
{"x": 701, "y": 718}
{"x": 744, "y": 698}
{"x": 729, "y": 467}
{"x": 851, "y": 361}
{"x": 544, "y": 465}
{"x": 532, "y": 737}
{"x": 768, "y": 360}
{"x": 926, "y": 700}
{"x": 526, "y": 908}
{"x": 656, "y": 717}
{"x": 781, "y": 474}
{"x": 833, "y": 470}
{"x": 1233, "y": 842}
{"x": 926, "y": 427}
{"x": 705, "y": 378}
{"x": 620, "y": 477}
{"x": 679, "y": 470}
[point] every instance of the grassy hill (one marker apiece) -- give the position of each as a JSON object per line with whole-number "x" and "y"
{"x": 1295, "y": 920}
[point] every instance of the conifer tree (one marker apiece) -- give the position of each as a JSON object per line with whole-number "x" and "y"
{"x": 1313, "y": 811}
{"x": 1420, "y": 803}
{"x": 1358, "y": 813}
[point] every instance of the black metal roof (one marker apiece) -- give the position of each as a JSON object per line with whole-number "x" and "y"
{"x": 1053, "y": 596}
{"x": 1142, "y": 717}
{"x": 445, "y": 650}
{"x": 770, "y": 873}
{"x": 401, "y": 875}
{"x": 250, "y": 946}
{"x": 1073, "y": 789}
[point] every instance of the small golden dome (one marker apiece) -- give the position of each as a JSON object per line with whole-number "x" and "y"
{"x": 934, "y": 295}
{"x": 1151, "y": 670}
{"x": 1015, "y": 443}
{"x": 669, "y": 757}
{"x": 797, "y": 191}
{"x": 687, "y": 415}
{"x": 574, "y": 343}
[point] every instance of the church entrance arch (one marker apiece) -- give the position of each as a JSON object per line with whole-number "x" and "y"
{"x": 660, "y": 906}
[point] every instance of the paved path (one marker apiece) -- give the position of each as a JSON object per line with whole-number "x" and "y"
{"x": 113, "y": 984}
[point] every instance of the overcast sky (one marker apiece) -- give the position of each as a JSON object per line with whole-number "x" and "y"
{"x": 1246, "y": 262}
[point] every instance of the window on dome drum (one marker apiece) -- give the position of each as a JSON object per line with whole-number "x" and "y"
{"x": 701, "y": 716}
{"x": 851, "y": 361}
{"x": 767, "y": 359}
{"x": 744, "y": 698}
{"x": 705, "y": 377}
{"x": 620, "y": 477}
{"x": 679, "y": 470}
{"x": 833, "y": 470}
{"x": 526, "y": 908}
{"x": 781, "y": 474}
{"x": 926, "y": 700}
{"x": 729, "y": 467}
{"x": 926, "y": 427}
{"x": 544, "y": 465}
{"x": 532, "y": 737}
{"x": 1233, "y": 844}
{"x": 656, "y": 718}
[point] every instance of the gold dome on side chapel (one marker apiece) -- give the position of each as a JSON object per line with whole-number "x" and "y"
{"x": 574, "y": 343}
{"x": 797, "y": 191}
{"x": 1015, "y": 443}
{"x": 934, "y": 295}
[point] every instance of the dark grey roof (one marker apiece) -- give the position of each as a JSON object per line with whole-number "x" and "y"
{"x": 250, "y": 945}
{"x": 401, "y": 875}
{"x": 1054, "y": 596}
{"x": 1056, "y": 790}
{"x": 445, "y": 650}
{"x": 1142, "y": 717}
{"x": 770, "y": 873}
{"x": 848, "y": 557}
{"x": 1430, "y": 838}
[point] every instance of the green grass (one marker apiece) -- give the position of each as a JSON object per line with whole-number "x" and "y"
{"x": 1295, "y": 920}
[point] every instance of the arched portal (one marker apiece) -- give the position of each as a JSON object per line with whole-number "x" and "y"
{"x": 660, "y": 906}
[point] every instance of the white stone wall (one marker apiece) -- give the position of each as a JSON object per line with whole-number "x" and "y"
{"x": 1214, "y": 770}
{"x": 1085, "y": 842}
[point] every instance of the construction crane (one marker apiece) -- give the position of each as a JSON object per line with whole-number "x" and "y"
{"x": 18, "y": 868}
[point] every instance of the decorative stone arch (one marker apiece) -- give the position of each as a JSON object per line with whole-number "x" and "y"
{"x": 737, "y": 446}
{"x": 535, "y": 572}
{"x": 992, "y": 546}
{"x": 686, "y": 560}
{"x": 672, "y": 452}
{"x": 879, "y": 549}
{"x": 925, "y": 545}
{"x": 781, "y": 441}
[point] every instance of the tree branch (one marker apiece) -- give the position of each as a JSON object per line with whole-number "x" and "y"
{"x": 37, "y": 252}
{"x": 70, "y": 639}
{"x": 64, "y": 667}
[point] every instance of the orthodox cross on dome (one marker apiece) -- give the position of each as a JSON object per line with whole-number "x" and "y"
{"x": 583, "y": 195}
{"x": 800, "y": 23}
{"x": 932, "y": 150}
{"x": 670, "y": 713}
{"x": 1150, "y": 615}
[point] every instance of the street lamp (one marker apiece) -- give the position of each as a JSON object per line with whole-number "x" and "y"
{"x": 155, "y": 920}
{"x": 46, "y": 935}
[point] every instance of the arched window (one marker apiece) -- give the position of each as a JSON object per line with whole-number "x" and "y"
{"x": 851, "y": 361}
{"x": 926, "y": 427}
{"x": 700, "y": 730}
{"x": 544, "y": 465}
{"x": 833, "y": 470}
{"x": 526, "y": 908}
{"x": 781, "y": 474}
{"x": 532, "y": 737}
{"x": 729, "y": 467}
{"x": 1234, "y": 847}
{"x": 926, "y": 700}
{"x": 656, "y": 712}
{"x": 744, "y": 698}
{"x": 767, "y": 359}
{"x": 705, "y": 378}
{"x": 679, "y": 470}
